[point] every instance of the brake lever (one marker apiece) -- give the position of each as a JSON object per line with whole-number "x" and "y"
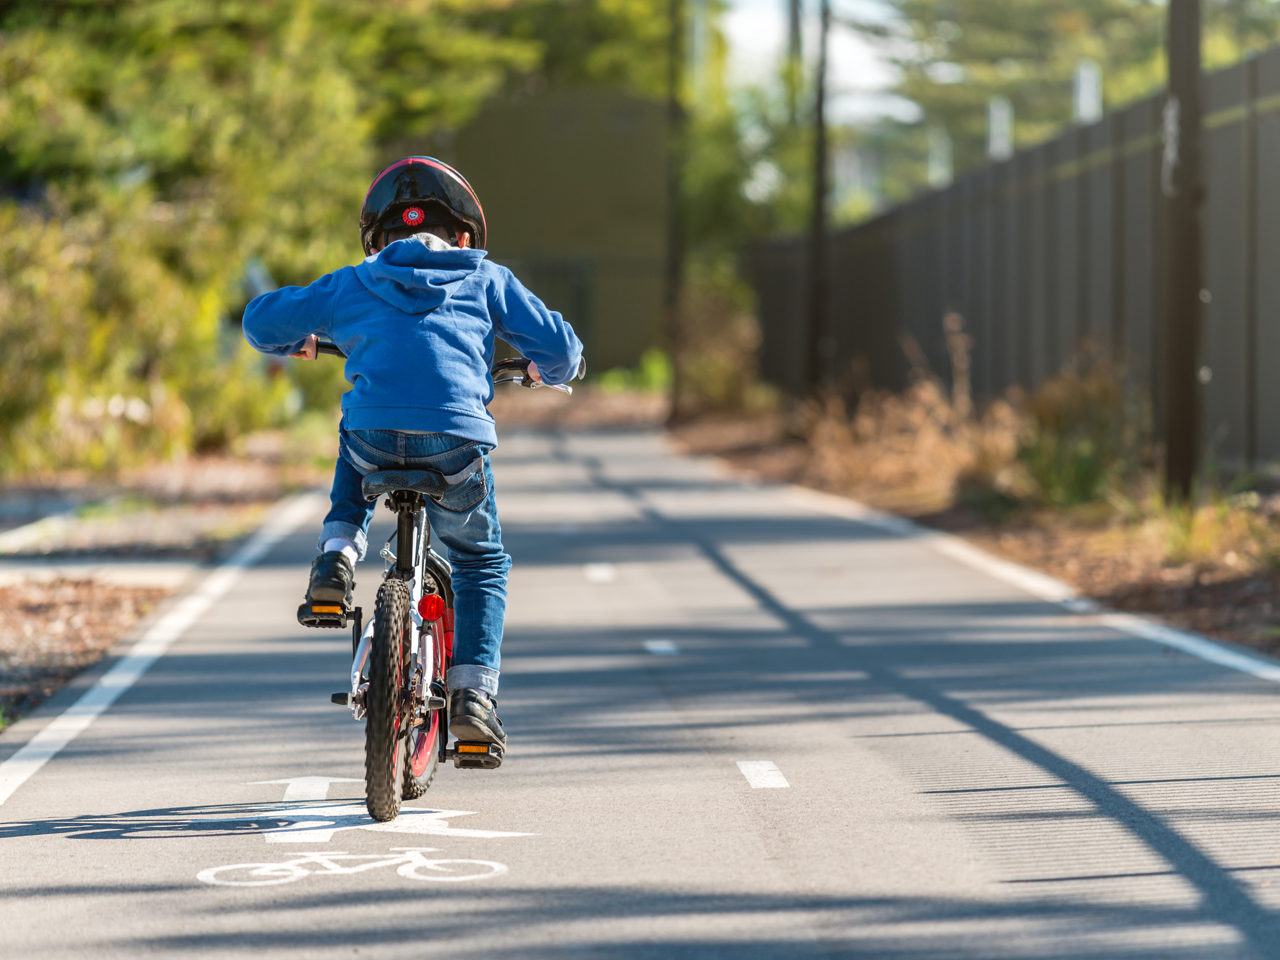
{"x": 533, "y": 384}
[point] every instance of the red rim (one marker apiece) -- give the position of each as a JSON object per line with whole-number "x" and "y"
{"x": 426, "y": 745}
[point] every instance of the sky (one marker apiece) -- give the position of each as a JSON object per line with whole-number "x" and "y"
{"x": 859, "y": 76}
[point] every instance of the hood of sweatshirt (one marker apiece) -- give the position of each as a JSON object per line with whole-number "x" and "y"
{"x": 415, "y": 276}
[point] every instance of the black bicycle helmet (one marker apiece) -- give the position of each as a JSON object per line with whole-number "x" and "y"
{"x": 420, "y": 192}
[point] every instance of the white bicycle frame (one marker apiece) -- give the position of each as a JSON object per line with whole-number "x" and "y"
{"x": 420, "y": 654}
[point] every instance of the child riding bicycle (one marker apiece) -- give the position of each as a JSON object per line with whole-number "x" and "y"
{"x": 417, "y": 321}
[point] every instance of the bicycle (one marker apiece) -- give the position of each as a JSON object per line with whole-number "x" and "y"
{"x": 410, "y": 863}
{"x": 401, "y": 656}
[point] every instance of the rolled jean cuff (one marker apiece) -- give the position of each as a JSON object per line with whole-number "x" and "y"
{"x": 473, "y": 677}
{"x": 348, "y": 531}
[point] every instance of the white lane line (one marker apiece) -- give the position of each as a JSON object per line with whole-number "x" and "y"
{"x": 306, "y": 788}
{"x": 762, "y": 774}
{"x": 46, "y": 744}
{"x": 13, "y": 540}
{"x": 1045, "y": 587}
{"x": 662, "y": 648}
{"x": 1192, "y": 644}
{"x": 600, "y": 572}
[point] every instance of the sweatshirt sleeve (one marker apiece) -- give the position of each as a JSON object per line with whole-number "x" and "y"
{"x": 540, "y": 334}
{"x": 279, "y": 322}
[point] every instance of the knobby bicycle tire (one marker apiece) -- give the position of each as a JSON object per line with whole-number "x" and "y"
{"x": 384, "y": 743}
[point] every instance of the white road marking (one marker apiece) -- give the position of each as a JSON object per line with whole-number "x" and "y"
{"x": 1045, "y": 587}
{"x": 14, "y": 540}
{"x": 409, "y": 862}
{"x": 307, "y": 788}
{"x": 600, "y": 572}
{"x": 662, "y": 648}
{"x": 46, "y": 744}
{"x": 762, "y": 774}
{"x": 318, "y": 822}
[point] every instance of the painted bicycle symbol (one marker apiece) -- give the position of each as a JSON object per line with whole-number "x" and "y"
{"x": 408, "y": 861}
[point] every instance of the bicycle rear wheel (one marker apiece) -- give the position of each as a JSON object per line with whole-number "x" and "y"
{"x": 384, "y": 733}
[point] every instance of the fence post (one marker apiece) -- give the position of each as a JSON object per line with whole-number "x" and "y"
{"x": 1183, "y": 189}
{"x": 818, "y": 341}
{"x": 1118, "y": 353}
{"x": 674, "y": 265}
{"x": 1249, "y": 182}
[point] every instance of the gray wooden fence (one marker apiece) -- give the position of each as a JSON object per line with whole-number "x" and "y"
{"x": 1057, "y": 250}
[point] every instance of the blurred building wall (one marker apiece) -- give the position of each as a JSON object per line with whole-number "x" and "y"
{"x": 572, "y": 183}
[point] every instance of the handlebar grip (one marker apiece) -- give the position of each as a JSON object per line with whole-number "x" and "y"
{"x": 512, "y": 363}
{"x": 329, "y": 347}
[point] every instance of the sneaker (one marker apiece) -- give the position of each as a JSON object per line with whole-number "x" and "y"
{"x": 332, "y": 578}
{"x": 473, "y": 717}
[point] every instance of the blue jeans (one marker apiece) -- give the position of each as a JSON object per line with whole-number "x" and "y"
{"x": 465, "y": 521}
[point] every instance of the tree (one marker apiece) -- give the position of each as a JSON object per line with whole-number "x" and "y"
{"x": 150, "y": 150}
{"x": 955, "y": 55}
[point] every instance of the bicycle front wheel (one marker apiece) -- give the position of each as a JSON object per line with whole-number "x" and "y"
{"x": 384, "y": 732}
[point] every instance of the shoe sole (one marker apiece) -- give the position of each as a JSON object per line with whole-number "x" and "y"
{"x": 332, "y": 594}
{"x": 464, "y": 728}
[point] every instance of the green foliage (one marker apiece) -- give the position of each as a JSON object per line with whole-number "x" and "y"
{"x": 160, "y": 147}
{"x": 958, "y": 54}
{"x": 621, "y": 44}
{"x": 651, "y": 375}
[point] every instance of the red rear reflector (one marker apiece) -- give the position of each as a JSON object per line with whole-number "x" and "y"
{"x": 431, "y": 607}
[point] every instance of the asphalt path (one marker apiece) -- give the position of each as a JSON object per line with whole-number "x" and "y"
{"x": 741, "y": 726}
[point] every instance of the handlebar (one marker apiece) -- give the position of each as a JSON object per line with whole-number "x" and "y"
{"x": 517, "y": 367}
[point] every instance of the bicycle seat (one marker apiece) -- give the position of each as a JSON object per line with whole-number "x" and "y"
{"x": 433, "y": 483}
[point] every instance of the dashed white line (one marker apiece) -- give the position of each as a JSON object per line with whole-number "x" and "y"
{"x": 46, "y": 744}
{"x": 662, "y": 648}
{"x": 600, "y": 572}
{"x": 762, "y": 774}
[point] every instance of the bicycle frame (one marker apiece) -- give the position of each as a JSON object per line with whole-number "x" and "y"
{"x": 423, "y": 571}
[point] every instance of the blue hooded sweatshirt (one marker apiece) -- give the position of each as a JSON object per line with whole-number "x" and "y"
{"x": 417, "y": 325}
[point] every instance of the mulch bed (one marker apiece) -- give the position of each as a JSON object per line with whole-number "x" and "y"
{"x": 49, "y": 632}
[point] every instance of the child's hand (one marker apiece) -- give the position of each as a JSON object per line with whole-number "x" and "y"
{"x": 308, "y": 351}
{"x": 533, "y": 372}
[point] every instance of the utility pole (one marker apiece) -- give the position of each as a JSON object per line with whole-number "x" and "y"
{"x": 818, "y": 371}
{"x": 1182, "y": 185}
{"x": 793, "y": 59}
{"x": 674, "y": 272}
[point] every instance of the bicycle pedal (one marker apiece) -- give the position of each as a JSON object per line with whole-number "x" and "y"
{"x": 477, "y": 756}
{"x": 323, "y": 615}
